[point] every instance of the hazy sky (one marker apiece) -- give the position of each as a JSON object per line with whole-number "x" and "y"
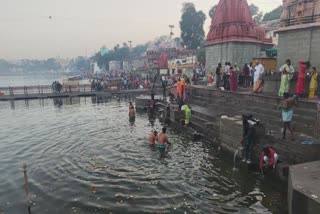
{"x": 78, "y": 27}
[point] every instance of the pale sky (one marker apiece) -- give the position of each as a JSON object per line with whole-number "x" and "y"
{"x": 78, "y": 27}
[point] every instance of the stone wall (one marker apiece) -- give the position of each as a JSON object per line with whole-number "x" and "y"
{"x": 272, "y": 85}
{"x": 300, "y": 44}
{"x": 234, "y": 52}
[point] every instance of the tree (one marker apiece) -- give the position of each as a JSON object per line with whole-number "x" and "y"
{"x": 212, "y": 11}
{"x": 258, "y": 17}
{"x": 255, "y": 13}
{"x": 253, "y": 9}
{"x": 272, "y": 15}
{"x": 191, "y": 26}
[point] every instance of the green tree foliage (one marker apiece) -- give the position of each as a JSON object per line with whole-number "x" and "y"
{"x": 255, "y": 13}
{"x": 212, "y": 11}
{"x": 272, "y": 15}
{"x": 201, "y": 55}
{"x": 39, "y": 65}
{"x": 80, "y": 64}
{"x": 191, "y": 26}
{"x": 118, "y": 53}
{"x": 253, "y": 9}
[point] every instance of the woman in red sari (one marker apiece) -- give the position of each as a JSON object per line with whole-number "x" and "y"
{"x": 301, "y": 83}
{"x": 233, "y": 80}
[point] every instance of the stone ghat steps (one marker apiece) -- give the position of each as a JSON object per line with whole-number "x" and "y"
{"x": 273, "y": 124}
{"x": 205, "y": 101}
{"x": 302, "y": 122}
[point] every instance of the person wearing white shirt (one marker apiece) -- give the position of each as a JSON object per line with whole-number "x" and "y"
{"x": 287, "y": 70}
{"x": 258, "y": 83}
{"x": 226, "y": 76}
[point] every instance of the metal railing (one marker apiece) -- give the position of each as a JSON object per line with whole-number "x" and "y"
{"x": 48, "y": 89}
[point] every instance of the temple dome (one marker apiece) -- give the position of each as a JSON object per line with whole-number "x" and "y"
{"x": 232, "y": 22}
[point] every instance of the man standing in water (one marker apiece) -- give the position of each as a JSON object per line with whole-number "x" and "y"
{"x": 153, "y": 137}
{"x": 163, "y": 140}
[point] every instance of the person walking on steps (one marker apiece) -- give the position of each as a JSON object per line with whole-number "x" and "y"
{"x": 286, "y": 107}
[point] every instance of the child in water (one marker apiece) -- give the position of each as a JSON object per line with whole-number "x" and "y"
{"x": 153, "y": 137}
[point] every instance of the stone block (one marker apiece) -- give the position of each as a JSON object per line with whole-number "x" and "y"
{"x": 304, "y": 188}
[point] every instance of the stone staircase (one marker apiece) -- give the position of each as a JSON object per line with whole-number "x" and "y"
{"x": 209, "y": 105}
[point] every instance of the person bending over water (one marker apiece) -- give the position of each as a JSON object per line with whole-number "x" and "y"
{"x": 268, "y": 158}
{"x": 153, "y": 137}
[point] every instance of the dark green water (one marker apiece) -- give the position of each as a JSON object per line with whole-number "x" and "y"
{"x": 85, "y": 157}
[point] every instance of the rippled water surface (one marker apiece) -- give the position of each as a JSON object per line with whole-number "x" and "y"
{"x": 85, "y": 157}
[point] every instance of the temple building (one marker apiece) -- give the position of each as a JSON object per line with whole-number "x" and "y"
{"x": 299, "y": 33}
{"x": 234, "y": 36}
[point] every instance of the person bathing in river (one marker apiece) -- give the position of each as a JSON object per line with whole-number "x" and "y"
{"x": 268, "y": 158}
{"x": 132, "y": 112}
{"x": 130, "y": 105}
{"x": 163, "y": 141}
{"x": 153, "y": 137}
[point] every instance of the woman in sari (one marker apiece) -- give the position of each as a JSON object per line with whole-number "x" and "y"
{"x": 233, "y": 80}
{"x": 286, "y": 75}
{"x": 285, "y": 82}
{"x": 314, "y": 83}
{"x": 301, "y": 84}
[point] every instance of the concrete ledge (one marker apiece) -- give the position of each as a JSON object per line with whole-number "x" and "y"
{"x": 304, "y": 188}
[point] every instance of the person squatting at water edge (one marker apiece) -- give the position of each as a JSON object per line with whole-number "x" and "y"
{"x": 268, "y": 159}
{"x": 249, "y": 135}
{"x": 186, "y": 120}
{"x": 163, "y": 141}
{"x": 286, "y": 107}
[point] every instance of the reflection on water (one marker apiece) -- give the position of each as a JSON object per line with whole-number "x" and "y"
{"x": 84, "y": 156}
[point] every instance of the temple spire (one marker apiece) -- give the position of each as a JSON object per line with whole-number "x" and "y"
{"x": 232, "y": 22}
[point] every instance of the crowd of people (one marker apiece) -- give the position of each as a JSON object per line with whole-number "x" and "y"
{"x": 231, "y": 76}
{"x": 56, "y": 87}
{"x": 306, "y": 72}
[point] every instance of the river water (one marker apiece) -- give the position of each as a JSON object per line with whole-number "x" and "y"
{"x": 85, "y": 157}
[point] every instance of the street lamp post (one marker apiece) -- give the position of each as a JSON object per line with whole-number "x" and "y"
{"x": 171, "y": 30}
